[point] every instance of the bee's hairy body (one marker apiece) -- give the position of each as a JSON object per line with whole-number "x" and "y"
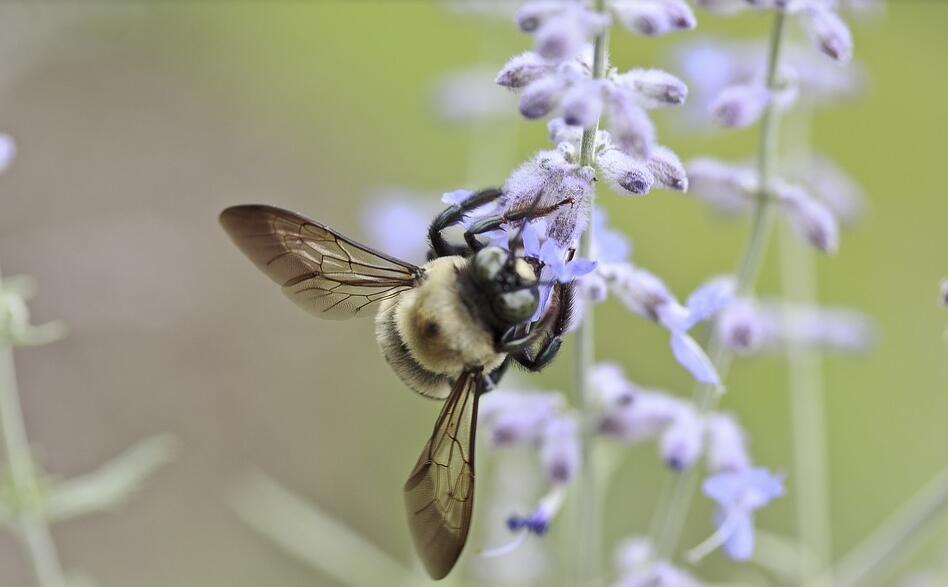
{"x": 431, "y": 333}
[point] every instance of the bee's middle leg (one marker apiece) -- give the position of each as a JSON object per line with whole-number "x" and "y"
{"x": 555, "y": 331}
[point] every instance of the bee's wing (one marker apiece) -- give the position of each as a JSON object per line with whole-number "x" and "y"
{"x": 322, "y": 271}
{"x": 439, "y": 494}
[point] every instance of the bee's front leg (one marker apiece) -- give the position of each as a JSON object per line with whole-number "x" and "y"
{"x": 454, "y": 215}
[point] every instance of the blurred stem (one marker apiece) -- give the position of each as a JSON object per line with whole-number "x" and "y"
{"x": 30, "y": 521}
{"x": 798, "y": 281}
{"x": 872, "y": 560}
{"x": 589, "y": 512}
{"x": 676, "y": 502}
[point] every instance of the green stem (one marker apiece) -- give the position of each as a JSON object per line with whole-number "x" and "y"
{"x": 589, "y": 512}
{"x": 671, "y": 516}
{"x": 872, "y": 561}
{"x": 31, "y": 525}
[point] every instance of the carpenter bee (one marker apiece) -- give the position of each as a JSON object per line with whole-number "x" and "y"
{"x": 448, "y": 328}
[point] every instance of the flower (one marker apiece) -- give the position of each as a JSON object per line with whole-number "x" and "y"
{"x": 396, "y": 221}
{"x": 559, "y": 448}
{"x": 738, "y": 495}
{"x": 514, "y": 417}
{"x": 727, "y": 445}
{"x": 653, "y": 17}
{"x": 681, "y": 443}
{"x": 812, "y": 220}
{"x": 944, "y": 292}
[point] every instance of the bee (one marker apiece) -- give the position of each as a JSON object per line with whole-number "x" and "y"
{"x": 449, "y": 328}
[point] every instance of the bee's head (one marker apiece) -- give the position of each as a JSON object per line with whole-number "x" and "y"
{"x": 510, "y": 283}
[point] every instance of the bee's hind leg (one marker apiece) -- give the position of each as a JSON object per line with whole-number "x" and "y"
{"x": 452, "y": 216}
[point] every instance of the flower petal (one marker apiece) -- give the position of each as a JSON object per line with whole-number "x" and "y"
{"x": 692, "y": 357}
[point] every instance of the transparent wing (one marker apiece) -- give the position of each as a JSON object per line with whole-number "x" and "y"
{"x": 322, "y": 271}
{"x": 439, "y": 494}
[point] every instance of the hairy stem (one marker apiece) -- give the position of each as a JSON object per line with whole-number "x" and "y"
{"x": 675, "y": 504}
{"x": 30, "y": 524}
{"x": 589, "y": 512}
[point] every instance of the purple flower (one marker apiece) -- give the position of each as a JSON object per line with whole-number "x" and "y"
{"x": 514, "y": 417}
{"x": 681, "y": 443}
{"x": 562, "y": 36}
{"x": 523, "y": 69}
{"x": 647, "y": 415}
{"x": 559, "y": 448}
{"x": 632, "y": 130}
{"x": 726, "y": 188}
{"x": 554, "y": 266}
{"x": 738, "y": 495}
{"x": 727, "y": 447}
{"x": 653, "y": 17}
{"x": 827, "y": 31}
{"x": 608, "y": 245}
{"x": 397, "y": 222}
{"x": 654, "y": 88}
{"x": 541, "y": 96}
{"x": 608, "y": 382}
{"x": 582, "y": 104}
{"x": 944, "y": 292}
{"x": 7, "y": 151}
{"x": 740, "y": 326}
{"x": 740, "y": 106}
{"x": 810, "y": 218}
{"x": 667, "y": 169}
{"x": 538, "y": 521}
{"x": 624, "y": 174}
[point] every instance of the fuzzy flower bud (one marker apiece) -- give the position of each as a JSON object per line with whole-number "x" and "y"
{"x": 582, "y": 104}
{"x": 667, "y": 169}
{"x": 631, "y": 129}
{"x": 523, "y": 69}
{"x": 641, "y": 292}
{"x": 607, "y": 380}
{"x": 534, "y": 13}
{"x": 827, "y": 31}
{"x": 654, "y": 87}
{"x": 727, "y": 447}
{"x": 541, "y": 96}
{"x": 514, "y": 416}
{"x": 625, "y": 175}
{"x": 725, "y": 187}
{"x": 645, "y": 417}
{"x": 740, "y": 106}
{"x": 740, "y": 326}
{"x": 681, "y": 443}
{"x": 810, "y": 218}
{"x": 944, "y": 292}
{"x": 561, "y": 37}
{"x": 559, "y": 448}
{"x": 654, "y": 17}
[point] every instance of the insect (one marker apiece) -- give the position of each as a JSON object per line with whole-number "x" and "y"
{"x": 448, "y": 328}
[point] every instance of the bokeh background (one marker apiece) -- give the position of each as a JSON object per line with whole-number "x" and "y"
{"x": 137, "y": 123}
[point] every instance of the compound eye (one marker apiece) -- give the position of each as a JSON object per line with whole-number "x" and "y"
{"x": 488, "y": 263}
{"x": 518, "y": 306}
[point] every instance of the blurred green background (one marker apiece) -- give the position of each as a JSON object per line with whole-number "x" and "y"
{"x": 138, "y": 123}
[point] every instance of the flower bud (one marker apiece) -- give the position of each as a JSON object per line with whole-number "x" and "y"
{"x": 514, "y": 417}
{"x": 681, "y": 443}
{"x": 667, "y": 169}
{"x": 560, "y": 38}
{"x": 7, "y": 151}
{"x": 728, "y": 188}
{"x": 523, "y": 69}
{"x": 632, "y": 130}
{"x": 640, "y": 291}
{"x": 608, "y": 382}
{"x": 654, "y": 87}
{"x": 643, "y": 418}
{"x": 727, "y": 447}
{"x": 559, "y": 448}
{"x": 944, "y": 292}
{"x": 534, "y": 13}
{"x": 811, "y": 219}
{"x": 643, "y": 17}
{"x": 541, "y": 96}
{"x": 740, "y": 106}
{"x": 625, "y": 175}
{"x": 827, "y": 31}
{"x": 740, "y": 326}
{"x": 681, "y": 16}
{"x": 582, "y": 104}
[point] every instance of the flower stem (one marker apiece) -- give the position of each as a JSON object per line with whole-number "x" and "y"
{"x": 805, "y": 387}
{"x": 872, "y": 561}
{"x": 589, "y": 512}
{"x": 31, "y": 525}
{"x": 671, "y": 516}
